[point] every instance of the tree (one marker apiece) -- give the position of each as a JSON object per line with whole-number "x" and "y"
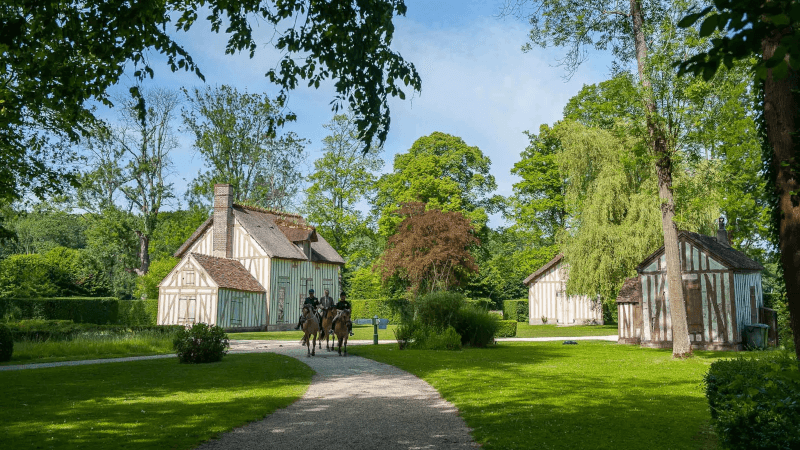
{"x": 235, "y": 134}
{"x": 430, "y": 250}
{"x": 443, "y": 172}
{"x": 60, "y": 56}
{"x": 134, "y": 158}
{"x": 341, "y": 178}
{"x": 769, "y": 29}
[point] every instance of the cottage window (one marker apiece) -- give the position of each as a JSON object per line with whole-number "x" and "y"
{"x": 186, "y": 310}
{"x": 188, "y": 278}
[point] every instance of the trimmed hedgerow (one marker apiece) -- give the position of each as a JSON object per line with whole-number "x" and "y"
{"x": 6, "y": 344}
{"x": 755, "y": 402}
{"x": 201, "y": 344}
{"x": 507, "y": 328}
{"x": 97, "y": 310}
{"x": 368, "y": 308}
{"x": 516, "y": 310}
{"x": 63, "y": 330}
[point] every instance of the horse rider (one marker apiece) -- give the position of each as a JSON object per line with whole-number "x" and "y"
{"x": 326, "y": 302}
{"x": 341, "y": 306}
{"x": 310, "y": 300}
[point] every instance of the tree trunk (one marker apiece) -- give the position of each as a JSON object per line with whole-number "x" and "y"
{"x": 681, "y": 347}
{"x": 780, "y": 107}
{"x": 144, "y": 254}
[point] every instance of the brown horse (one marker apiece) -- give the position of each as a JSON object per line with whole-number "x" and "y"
{"x": 327, "y": 321}
{"x": 341, "y": 331}
{"x": 310, "y": 328}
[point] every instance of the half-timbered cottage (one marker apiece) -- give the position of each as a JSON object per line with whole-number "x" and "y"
{"x": 548, "y": 302}
{"x": 721, "y": 287}
{"x": 283, "y": 256}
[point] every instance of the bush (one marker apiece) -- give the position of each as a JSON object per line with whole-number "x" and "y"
{"x": 755, "y": 403}
{"x": 516, "y": 310}
{"x": 201, "y": 344}
{"x": 439, "y": 309}
{"x": 6, "y": 343}
{"x": 481, "y": 303}
{"x": 507, "y": 328}
{"x": 429, "y": 338}
{"x": 477, "y": 327}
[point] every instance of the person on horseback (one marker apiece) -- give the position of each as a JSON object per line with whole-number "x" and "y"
{"x": 310, "y": 300}
{"x": 341, "y": 306}
{"x": 326, "y": 302}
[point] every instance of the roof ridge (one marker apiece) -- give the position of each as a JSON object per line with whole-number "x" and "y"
{"x": 269, "y": 211}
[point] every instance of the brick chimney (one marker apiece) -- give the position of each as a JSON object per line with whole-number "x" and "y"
{"x": 223, "y": 221}
{"x": 722, "y": 235}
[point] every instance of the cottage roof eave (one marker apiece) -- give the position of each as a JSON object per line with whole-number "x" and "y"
{"x": 543, "y": 269}
{"x": 700, "y": 241}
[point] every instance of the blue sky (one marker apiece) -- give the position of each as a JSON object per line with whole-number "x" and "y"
{"x": 476, "y": 84}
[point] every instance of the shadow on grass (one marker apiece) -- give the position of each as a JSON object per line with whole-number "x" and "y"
{"x": 547, "y": 395}
{"x": 143, "y": 404}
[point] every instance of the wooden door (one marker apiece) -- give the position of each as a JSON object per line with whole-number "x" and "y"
{"x": 694, "y": 305}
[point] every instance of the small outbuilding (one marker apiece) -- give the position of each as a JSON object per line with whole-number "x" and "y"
{"x": 721, "y": 287}
{"x": 548, "y": 302}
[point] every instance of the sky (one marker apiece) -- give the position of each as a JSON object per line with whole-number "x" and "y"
{"x": 477, "y": 84}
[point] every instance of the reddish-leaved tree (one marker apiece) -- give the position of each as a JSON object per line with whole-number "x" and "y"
{"x": 430, "y": 249}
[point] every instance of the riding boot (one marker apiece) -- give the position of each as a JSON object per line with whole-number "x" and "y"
{"x": 299, "y": 323}
{"x": 350, "y": 328}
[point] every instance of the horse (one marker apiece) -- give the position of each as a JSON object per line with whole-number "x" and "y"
{"x": 310, "y": 328}
{"x": 341, "y": 331}
{"x": 327, "y": 321}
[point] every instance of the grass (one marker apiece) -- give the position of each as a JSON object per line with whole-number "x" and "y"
{"x": 597, "y": 395}
{"x": 530, "y": 331}
{"x": 92, "y": 346}
{"x": 144, "y": 404}
{"x": 362, "y": 332}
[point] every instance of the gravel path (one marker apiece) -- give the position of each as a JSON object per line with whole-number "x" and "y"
{"x": 352, "y": 403}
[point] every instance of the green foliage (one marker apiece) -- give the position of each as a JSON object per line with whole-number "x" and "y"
{"x": 6, "y": 343}
{"x": 201, "y": 344}
{"x": 236, "y": 135}
{"x": 442, "y": 171}
{"x": 434, "y": 313}
{"x": 45, "y": 227}
{"x": 508, "y": 328}
{"x": 174, "y": 228}
{"x": 364, "y": 283}
{"x": 82, "y": 310}
{"x": 516, "y": 310}
{"x": 754, "y": 401}
{"x": 147, "y": 285}
{"x": 368, "y": 308}
{"x": 477, "y": 327}
{"x": 481, "y": 303}
{"x": 341, "y": 178}
{"x": 426, "y": 337}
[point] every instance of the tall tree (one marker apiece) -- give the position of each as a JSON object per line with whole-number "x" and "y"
{"x": 59, "y": 56}
{"x": 442, "y": 171}
{"x": 235, "y": 134}
{"x": 768, "y": 29}
{"x": 341, "y": 179}
{"x": 430, "y": 249}
{"x": 133, "y": 157}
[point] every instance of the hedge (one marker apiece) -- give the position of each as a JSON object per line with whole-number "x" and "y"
{"x": 97, "y": 310}
{"x": 755, "y": 403}
{"x": 516, "y": 310}
{"x": 508, "y": 328}
{"x": 367, "y": 308}
{"x": 61, "y": 330}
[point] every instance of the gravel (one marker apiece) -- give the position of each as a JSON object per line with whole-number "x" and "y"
{"x": 352, "y": 403}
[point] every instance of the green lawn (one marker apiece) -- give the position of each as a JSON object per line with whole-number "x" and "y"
{"x": 143, "y": 404}
{"x": 362, "y": 332}
{"x": 545, "y": 395}
{"x": 91, "y": 347}
{"x": 530, "y": 331}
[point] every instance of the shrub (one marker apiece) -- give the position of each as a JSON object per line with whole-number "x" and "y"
{"x": 98, "y": 310}
{"x": 430, "y": 338}
{"x": 439, "y": 309}
{"x": 201, "y": 344}
{"x": 476, "y": 327}
{"x": 6, "y": 343}
{"x": 516, "y": 310}
{"x": 507, "y": 328}
{"x": 481, "y": 303}
{"x": 755, "y": 403}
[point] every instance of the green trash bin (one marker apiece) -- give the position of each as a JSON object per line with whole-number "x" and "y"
{"x": 756, "y": 336}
